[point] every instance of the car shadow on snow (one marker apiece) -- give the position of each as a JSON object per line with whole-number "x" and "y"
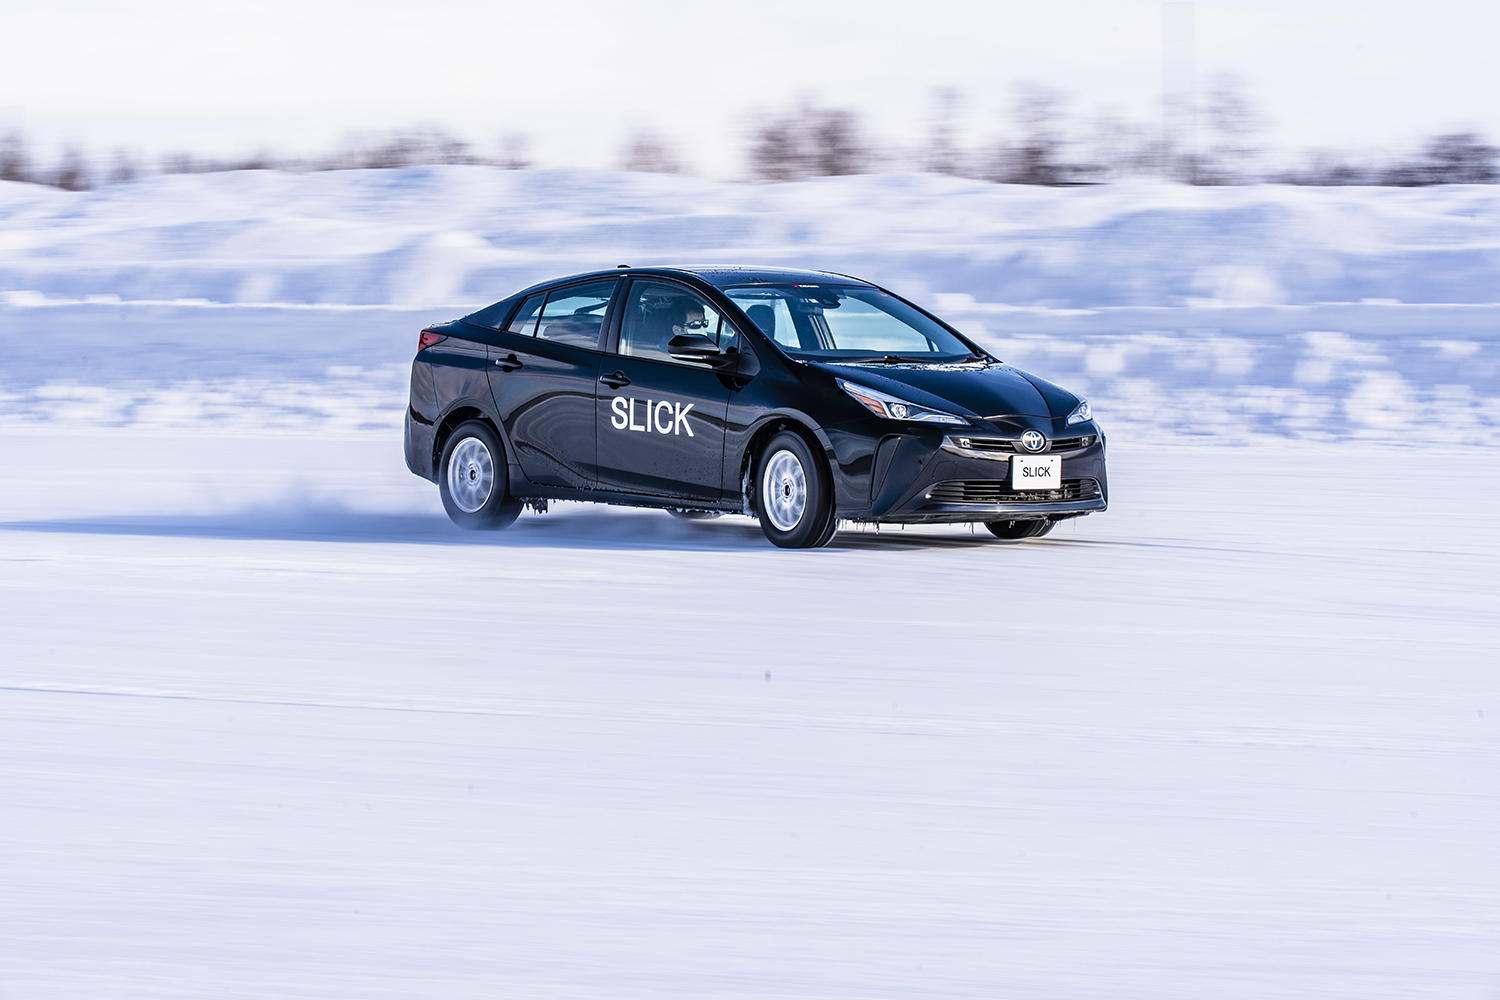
{"x": 598, "y": 528}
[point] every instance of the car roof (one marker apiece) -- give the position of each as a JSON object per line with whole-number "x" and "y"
{"x": 726, "y": 274}
{"x": 721, "y": 275}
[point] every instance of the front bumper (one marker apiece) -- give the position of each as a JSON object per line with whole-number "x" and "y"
{"x": 930, "y": 483}
{"x": 930, "y": 508}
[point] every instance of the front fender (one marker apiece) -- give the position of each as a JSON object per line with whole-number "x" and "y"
{"x": 845, "y": 486}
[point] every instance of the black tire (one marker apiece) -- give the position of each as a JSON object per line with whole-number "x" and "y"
{"x": 793, "y": 496}
{"x": 828, "y": 533}
{"x": 472, "y": 479}
{"x": 694, "y": 515}
{"x": 1012, "y": 530}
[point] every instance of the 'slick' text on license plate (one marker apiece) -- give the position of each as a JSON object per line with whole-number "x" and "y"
{"x": 1037, "y": 473}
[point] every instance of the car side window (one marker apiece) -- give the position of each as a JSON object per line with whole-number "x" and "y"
{"x": 728, "y": 336}
{"x": 524, "y": 321}
{"x": 655, "y": 312}
{"x": 772, "y": 316}
{"x": 575, "y": 315}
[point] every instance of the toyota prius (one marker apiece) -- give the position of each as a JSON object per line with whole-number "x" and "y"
{"x": 800, "y": 398}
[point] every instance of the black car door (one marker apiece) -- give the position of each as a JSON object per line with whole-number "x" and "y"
{"x": 542, "y": 373}
{"x": 660, "y": 422}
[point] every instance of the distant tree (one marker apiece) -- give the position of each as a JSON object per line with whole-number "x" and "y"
{"x": 776, "y": 151}
{"x": 1234, "y": 125}
{"x": 123, "y": 167}
{"x": 1457, "y": 158}
{"x": 809, "y": 141}
{"x": 514, "y": 151}
{"x": 1462, "y": 158}
{"x": 419, "y": 145}
{"x": 1038, "y": 110}
{"x": 1036, "y": 156}
{"x": 15, "y": 158}
{"x": 649, "y": 153}
{"x": 1115, "y": 146}
{"x": 1328, "y": 168}
{"x": 72, "y": 173}
{"x": 262, "y": 160}
{"x": 180, "y": 163}
{"x": 944, "y": 153}
{"x": 839, "y": 147}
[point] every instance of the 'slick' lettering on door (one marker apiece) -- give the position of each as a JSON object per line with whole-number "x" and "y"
{"x": 657, "y": 416}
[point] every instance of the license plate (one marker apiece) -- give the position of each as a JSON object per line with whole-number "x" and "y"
{"x": 1037, "y": 473}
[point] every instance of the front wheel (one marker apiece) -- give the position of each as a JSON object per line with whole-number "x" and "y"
{"x": 1012, "y": 530}
{"x": 472, "y": 480}
{"x": 793, "y": 496}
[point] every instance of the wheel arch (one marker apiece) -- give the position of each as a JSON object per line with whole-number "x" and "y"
{"x": 767, "y": 428}
{"x": 462, "y": 412}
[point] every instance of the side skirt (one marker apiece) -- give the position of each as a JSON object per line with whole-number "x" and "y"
{"x": 615, "y": 498}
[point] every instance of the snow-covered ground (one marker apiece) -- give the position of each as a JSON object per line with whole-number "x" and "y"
{"x": 271, "y": 727}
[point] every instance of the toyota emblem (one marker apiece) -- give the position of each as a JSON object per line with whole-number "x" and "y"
{"x": 1033, "y": 441}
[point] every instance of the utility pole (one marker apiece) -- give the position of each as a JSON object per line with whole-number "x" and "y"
{"x": 1179, "y": 92}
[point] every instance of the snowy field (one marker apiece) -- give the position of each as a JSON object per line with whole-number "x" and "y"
{"x": 1231, "y": 312}
{"x": 1237, "y": 737}
{"x": 271, "y": 727}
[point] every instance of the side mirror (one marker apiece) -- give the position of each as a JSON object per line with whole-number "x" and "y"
{"x": 696, "y": 347}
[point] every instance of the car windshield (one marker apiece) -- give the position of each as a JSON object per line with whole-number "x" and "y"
{"x": 827, "y": 322}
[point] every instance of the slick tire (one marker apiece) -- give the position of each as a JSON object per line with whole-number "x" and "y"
{"x": 793, "y": 495}
{"x": 828, "y": 533}
{"x": 472, "y": 479}
{"x": 1015, "y": 530}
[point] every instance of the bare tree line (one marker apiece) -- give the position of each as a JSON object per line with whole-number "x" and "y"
{"x": 1040, "y": 141}
{"x": 421, "y": 145}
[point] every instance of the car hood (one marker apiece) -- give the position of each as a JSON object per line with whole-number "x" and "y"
{"x": 982, "y": 389}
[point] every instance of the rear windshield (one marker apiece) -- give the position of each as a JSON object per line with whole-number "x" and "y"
{"x": 830, "y": 322}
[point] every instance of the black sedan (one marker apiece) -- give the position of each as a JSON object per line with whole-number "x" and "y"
{"x": 799, "y": 397}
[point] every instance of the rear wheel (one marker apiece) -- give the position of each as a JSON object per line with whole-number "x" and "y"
{"x": 793, "y": 496}
{"x": 472, "y": 479}
{"x": 1020, "y": 529}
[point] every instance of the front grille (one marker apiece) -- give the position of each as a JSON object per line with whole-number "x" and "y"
{"x": 993, "y": 491}
{"x": 1010, "y": 447}
{"x": 991, "y": 444}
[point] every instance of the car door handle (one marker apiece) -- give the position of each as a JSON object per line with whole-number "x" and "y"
{"x": 614, "y": 380}
{"x": 509, "y": 364}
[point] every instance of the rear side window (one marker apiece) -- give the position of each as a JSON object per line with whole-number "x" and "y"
{"x": 492, "y": 317}
{"x": 575, "y": 315}
{"x": 524, "y": 321}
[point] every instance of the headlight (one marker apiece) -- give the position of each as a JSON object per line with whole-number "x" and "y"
{"x": 892, "y": 408}
{"x": 1080, "y": 413}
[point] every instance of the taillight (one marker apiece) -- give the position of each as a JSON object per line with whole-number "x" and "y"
{"x": 427, "y": 338}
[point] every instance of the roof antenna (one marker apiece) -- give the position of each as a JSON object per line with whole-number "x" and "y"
{"x": 618, "y": 266}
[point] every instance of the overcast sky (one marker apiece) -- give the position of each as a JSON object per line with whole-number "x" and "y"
{"x": 579, "y": 75}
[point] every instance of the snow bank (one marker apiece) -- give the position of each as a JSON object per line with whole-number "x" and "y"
{"x": 1364, "y": 312}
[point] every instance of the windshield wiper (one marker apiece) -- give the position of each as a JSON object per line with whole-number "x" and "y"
{"x": 894, "y": 359}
